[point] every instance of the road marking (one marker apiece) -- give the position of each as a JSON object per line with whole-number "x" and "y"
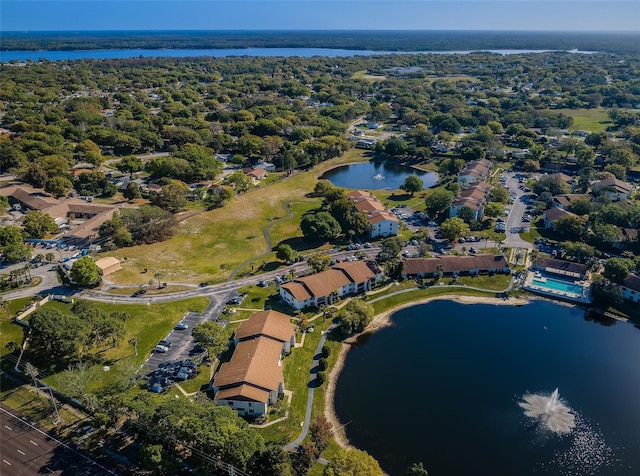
{"x": 8, "y": 428}
{"x": 33, "y": 442}
{"x": 5, "y": 461}
{"x": 22, "y": 452}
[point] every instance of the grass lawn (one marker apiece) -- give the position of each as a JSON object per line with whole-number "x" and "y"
{"x": 363, "y": 74}
{"x": 149, "y": 324}
{"x": 593, "y": 120}
{"x": 10, "y": 332}
{"x": 36, "y": 408}
{"x": 227, "y": 236}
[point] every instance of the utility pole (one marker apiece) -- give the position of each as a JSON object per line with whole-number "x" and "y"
{"x": 55, "y": 406}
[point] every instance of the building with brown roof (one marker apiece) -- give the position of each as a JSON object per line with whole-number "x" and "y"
{"x": 552, "y": 215}
{"x": 382, "y": 222}
{"x": 615, "y": 189}
{"x": 476, "y": 171}
{"x": 562, "y": 267}
{"x": 108, "y": 265}
{"x": 326, "y": 287}
{"x": 563, "y": 201}
{"x": 253, "y": 378}
{"x": 630, "y": 288}
{"x": 454, "y": 266}
{"x": 474, "y": 196}
{"x": 269, "y": 324}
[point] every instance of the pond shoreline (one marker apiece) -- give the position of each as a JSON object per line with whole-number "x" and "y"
{"x": 381, "y": 321}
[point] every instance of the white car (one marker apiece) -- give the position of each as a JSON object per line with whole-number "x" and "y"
{"x": 161, "y": 348}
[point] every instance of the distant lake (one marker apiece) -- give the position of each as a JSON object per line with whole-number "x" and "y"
{"x": 19, "y": 55}
{"x": 375, "y": 176}
{"x": 441, "y": 385}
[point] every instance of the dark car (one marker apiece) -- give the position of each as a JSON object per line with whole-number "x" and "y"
{"x": 234, "y": 301}
{"x": 139, "y": 292}
{"x": 165, "y": 343}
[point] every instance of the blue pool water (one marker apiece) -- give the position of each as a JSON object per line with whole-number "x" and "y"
{"x": 558, "y": 285}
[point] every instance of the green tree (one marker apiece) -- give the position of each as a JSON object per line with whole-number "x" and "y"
{"x": 273, "y": 461}
{"x": 85, "y": 272}
{"x": 412, "y": 184}
{"x": 466, "y": 214}
{"x": 494, "y": 209}
{"x": 211, "y": 336}
{"x": 437, "y": 201}
{"x": 130, "y": 164}
{"x": 239, "y": 180}
{"x": 132, "y": 192}
{"x": 12, "y": 244}
{"x": 356, "y": 316}
{"x": 37, "y": 224}
{"x": 570, "y": 226}
{"x": 304, "y": 458}
{"x": 617, "y": 269}
{"x": 285, "y": 253}
{"x": 172, "y": 197}
{"x": 319, "y": 226}
{"x": 58, "y": 186}
{"x": 580, "y": 206}
{"x": 390, "y": 247}
{"x": 319, "y": 262}
{"x": 499, "y": 194}
{"x": 353, "y": 462}
{"x": 56, "y": 334}
{"x": 454, "y": 228}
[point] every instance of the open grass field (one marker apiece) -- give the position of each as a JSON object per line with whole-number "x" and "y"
{"x": 147, "y": 323}
{"x": 227, "y": 236}
{"x": 593, "y": 120}
{"x": 364, "y": 74}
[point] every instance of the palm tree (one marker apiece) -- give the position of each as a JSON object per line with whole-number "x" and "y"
{"x": 440, "y": 269}
{"x": 158, "y": 276}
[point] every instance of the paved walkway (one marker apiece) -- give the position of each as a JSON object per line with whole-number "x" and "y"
{"x": 312, "y": 377}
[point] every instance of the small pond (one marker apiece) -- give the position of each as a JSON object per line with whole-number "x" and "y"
{"x": 376, "y": 176}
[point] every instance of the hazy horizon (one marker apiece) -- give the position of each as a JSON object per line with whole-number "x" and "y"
{"x": 321, "y": 15}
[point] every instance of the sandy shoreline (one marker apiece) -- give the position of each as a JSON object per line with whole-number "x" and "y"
{"x": 379, "y": 322}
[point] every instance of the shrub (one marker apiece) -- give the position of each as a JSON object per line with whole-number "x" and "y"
{"x": 325, "y": 352}
{"x": 321, "y": 378}
{"x": 323, "y": 364}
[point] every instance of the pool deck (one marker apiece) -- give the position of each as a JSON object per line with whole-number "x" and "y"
{"x": 584, "y": 298}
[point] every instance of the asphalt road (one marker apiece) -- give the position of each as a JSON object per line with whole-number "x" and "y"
{"x": 27, "y": 450}
{"x": 514, "y": 220}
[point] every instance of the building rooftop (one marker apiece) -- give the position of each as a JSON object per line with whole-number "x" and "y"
{"x": 272, "y": 324}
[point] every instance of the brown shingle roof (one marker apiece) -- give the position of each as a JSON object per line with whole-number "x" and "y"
{"x": 377, "y": 217}
{"x": 272, "y": 324}
{"x": 632, "y": 282}
{"x": 243, "y": 393}
{"x": 451, "y": 264}
{"x": 297, "y": 290}
{"x": 562, "y": 265}
{"x": 619, "y": 185}
{"x": 357, "y": 271}
{"x": 325, "y": 282}
{"x": 553, "y": 214}
{"x": 255, "y": 362}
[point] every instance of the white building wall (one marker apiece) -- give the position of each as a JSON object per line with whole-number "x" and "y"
{"x": 630, "y": 294}
{"x": 246, "y": 408}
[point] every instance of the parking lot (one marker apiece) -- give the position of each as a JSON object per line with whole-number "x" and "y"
{"x": 181, "y": 344}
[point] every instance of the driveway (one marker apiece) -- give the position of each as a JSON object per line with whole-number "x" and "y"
{"x": 514, "y": 221}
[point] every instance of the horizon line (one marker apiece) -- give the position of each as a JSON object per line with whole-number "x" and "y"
{"x": 75, "y": 30}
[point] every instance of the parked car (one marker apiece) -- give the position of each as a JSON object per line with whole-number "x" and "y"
{"x": 165, "y": 343}
{"x": 161, "y": 349}
{"x": 139, "y": 292}
{"x": 367, "y": 245}
{"x": 181, "y": 326}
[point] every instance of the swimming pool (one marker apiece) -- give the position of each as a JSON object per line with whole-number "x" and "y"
{"x": 558, "y": 285}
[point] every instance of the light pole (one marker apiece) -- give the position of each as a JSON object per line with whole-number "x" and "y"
{"x": 55, "y": 406}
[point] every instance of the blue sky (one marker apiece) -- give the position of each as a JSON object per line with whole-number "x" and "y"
{"x": 43, "y": 15}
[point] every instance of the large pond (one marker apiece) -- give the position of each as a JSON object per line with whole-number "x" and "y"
{"x": 443, "y": 384}
{"x": 376, "y": 175}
